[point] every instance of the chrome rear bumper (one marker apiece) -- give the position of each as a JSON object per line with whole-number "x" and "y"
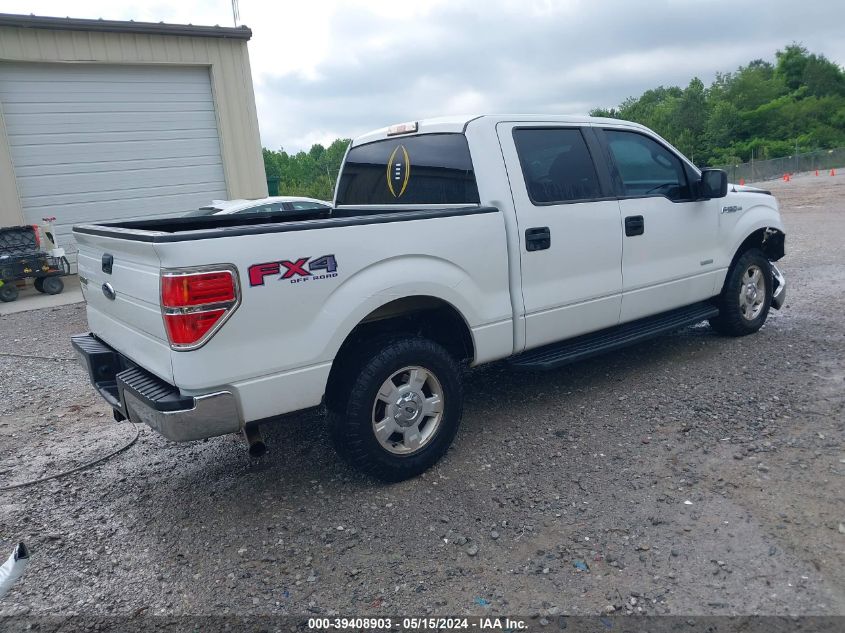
{"x": 211, "y": 414}
{"x": 136, "y": 394}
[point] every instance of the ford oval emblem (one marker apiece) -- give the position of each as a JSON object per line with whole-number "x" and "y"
{"x": 108, "y": 290}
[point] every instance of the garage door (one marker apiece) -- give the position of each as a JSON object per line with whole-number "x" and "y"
{"x": 93, "y": 143}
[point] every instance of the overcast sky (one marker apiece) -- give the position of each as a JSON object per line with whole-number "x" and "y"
{"x": 323, "y": 69}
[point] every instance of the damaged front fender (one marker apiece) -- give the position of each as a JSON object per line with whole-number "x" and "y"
{"x": 779, "y": 290}
{"x": 774, "y": 244}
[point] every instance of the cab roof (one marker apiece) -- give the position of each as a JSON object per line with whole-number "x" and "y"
{"x": 459, "y": 123}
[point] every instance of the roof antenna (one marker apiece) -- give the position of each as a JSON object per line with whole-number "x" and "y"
{"x": 236, "y": 12}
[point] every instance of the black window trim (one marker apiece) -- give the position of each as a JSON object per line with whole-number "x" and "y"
{"x": 593, "y": 148}
{"x": 616, "y": 178}
{"x": 387, "y": 206}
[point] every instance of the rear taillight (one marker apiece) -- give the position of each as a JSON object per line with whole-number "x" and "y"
{"x": 197, "y": 289}
{"x": 196, "y": 302}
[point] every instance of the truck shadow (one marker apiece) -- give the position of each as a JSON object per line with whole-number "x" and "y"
{"x": 500, "y": 403}
{"x": 531, "y": 445}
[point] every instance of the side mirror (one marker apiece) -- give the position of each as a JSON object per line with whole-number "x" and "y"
{"x": 713, "y": 184}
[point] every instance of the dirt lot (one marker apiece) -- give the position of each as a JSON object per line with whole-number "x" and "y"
{"x": 690, "y": 475}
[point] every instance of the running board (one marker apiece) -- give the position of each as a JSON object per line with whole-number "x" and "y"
{"x": 581, "y": 347}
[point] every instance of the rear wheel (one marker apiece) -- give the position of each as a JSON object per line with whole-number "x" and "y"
{"x": 52, "y": 285}
{"x": 8, "y": 292}
{"x": 39, "y": 284}
{"x": 398, "y": 409}
{"x": 746, "y": 297}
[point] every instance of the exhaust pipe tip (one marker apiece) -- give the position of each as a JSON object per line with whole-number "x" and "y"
{"x": 254, "y": 440}
{"x": 257, "y": 449}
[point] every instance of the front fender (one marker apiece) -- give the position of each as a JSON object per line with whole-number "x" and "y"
{"x": 736, "y": 230}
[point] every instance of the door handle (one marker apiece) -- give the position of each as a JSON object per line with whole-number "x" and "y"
{"x": 634, "y": 225}
{"x": 538, "y": 238}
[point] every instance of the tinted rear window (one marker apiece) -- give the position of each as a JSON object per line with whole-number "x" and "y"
{"x": 427, "y": 169}
{"x": 556, "y": 164}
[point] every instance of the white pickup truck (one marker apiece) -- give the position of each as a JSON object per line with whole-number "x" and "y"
{"x": 541, "y": 239}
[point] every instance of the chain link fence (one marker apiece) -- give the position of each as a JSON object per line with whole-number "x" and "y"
{"x": 822, "y": 160}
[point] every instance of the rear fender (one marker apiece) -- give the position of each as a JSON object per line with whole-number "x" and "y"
{"x": 396, "y": 278}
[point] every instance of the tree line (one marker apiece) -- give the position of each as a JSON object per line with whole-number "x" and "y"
{"x": 762, "y": 110}
{"x": 311, "y": 174}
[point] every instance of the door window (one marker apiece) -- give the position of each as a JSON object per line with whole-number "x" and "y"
{"x": 646, "y": 168}
{"x": 556, "y": 164}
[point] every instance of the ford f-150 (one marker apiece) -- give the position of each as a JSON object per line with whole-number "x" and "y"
{"x": 453, "y": 241}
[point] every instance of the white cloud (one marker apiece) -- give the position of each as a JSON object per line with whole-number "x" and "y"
{"x": 329, "y": 68}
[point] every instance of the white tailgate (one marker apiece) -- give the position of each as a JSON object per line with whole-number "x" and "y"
{"x": 131, "y": 322}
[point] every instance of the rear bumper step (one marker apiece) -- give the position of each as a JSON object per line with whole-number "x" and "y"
{"x": 136, "y": 394}
{"x": 581, "y": 347}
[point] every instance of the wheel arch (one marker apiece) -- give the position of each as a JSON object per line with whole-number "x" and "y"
{"x": 770, "y": 239}
{"x": 760, "y": 226}
{"x": 416, "y": 315}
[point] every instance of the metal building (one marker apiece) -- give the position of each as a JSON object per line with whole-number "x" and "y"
{"x": 105, "y": 120}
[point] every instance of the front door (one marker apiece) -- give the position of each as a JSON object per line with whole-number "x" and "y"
{"x": 569, "y": 230}
{"x": 669, "y": 237}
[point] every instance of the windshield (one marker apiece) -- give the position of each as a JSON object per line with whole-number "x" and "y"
{"x": 265, "y": 207}
{"x": 202, "y": 211}
{"x": 425, "y": 169}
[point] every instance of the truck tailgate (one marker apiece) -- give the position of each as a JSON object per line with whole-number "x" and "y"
{"x": 129, "y": 318}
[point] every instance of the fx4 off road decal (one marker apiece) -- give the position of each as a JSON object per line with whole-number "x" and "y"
{"x": 296, "y": 271}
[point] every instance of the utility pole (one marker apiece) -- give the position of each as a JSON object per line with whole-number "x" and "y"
{"x": 752, "y": 164}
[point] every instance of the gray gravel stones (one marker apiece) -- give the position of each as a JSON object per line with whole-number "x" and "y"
{"x": 546, "y": 470}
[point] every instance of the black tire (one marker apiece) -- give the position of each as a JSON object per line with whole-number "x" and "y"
{"x": 8, "y": 292}
{"x": 52, "y": 285}
{"x": 353, "y": 406}
{"x": 39, "y": 284}
{"x": 733, "y": 319}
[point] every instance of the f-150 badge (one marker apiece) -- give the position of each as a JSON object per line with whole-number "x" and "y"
{"x": 398, "y": 171}
{"x": 296, "y": 271}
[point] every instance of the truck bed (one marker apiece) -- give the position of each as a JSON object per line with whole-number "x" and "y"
{"x": 281, "y": 338}
{"x": 197, "y": 228}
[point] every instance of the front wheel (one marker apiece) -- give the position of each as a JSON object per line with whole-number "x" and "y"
{"x": 399, "y": 408}
{"x": 52, "y": 285}
{"x": 8, "y": 291}
{"x": 746, "y": 297}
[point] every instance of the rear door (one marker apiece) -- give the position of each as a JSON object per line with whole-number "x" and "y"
{"x": 669, "y": 237}
{"x": 569, "y": 230}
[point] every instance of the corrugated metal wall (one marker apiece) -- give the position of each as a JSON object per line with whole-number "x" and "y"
{"x": 95, "y": 142}
{"x": 231, "y": 81}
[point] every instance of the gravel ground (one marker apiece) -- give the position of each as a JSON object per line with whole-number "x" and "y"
{"x": 692, "y": 474}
